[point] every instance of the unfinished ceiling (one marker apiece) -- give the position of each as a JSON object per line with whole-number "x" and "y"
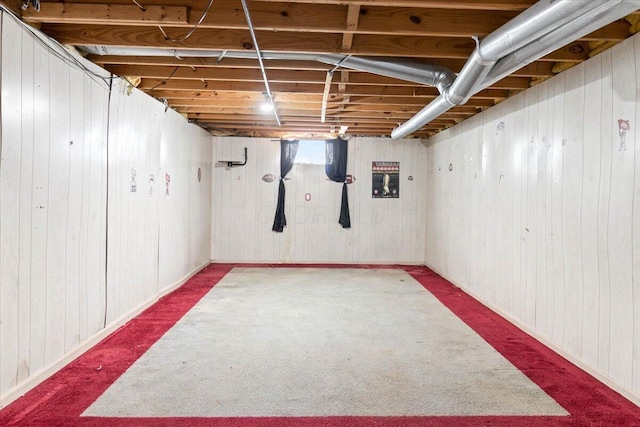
{"x": 210, "y": 72}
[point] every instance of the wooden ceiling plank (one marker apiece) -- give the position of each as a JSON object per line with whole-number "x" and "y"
{"x": 535, "y": 69}
{"x": 214, "y": 96}
{"x": 222, "y": 97}
{"x": 373, "y": 45}
{"x": 431, "y": 22}
{"x": 207, "y": 62}
{"x": 113, "y": 14}
{"x": 392, "y": 91}
{"x": 292, "y": 17}
{"x": 412, "y": 101}
{"x": 14, "y": 6}
{"x": 250, "y": 75}
{"x": 325, "y": 95}
{"x": 432, "y": 4}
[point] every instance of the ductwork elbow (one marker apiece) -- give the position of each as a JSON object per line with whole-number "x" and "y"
{"x": 443, "y": 78}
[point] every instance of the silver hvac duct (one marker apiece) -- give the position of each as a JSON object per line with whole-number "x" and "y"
{"x": 553, "y": 41}
{"x": 434, "y": 75}
{"x": 431, "y": 75}
{"x": 545, "y": 20}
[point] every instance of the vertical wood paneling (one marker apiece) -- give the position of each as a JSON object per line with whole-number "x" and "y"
{"x": 26, "y": 194}
{"x": 624, "y": 79}
{"x": 573, "y": 152}
{"x": 604, "y": 295}
{"x": 530, "y": 276}
{"x": 10, "y": 217}
{"x": 134, "y": 146}
{"x": 557, "y": 188}
{"x": 39, "y": 203}
{"x": 180, "y": 229}
{"x": 74, "y": 209}
{"x": 589, "y": 211}
{"x": 560, "y": 212}
{"x": 548, "y": 206}
{"x": 95, "y": 166}
{"x": 174, "y": 159}
{"x": 388, "y": 230}
{"x": 516, "y": 168}
{"x": 43, "y": 159}
{"x": 636, "y": 233}
{"x": 541, "y": 231}
{"x": 58, "y": 181}
{"x": 53, "y": 207}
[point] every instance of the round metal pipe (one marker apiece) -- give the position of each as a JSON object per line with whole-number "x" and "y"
{"x": 553, "y": 41}
{"x": 542, "y": 18}
{"x": 434, "y": 109}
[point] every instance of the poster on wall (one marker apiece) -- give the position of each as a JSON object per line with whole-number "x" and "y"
{"x": 386, "y": 180}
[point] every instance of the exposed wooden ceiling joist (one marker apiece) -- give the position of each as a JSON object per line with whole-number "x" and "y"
{"x": 222, "y": 94}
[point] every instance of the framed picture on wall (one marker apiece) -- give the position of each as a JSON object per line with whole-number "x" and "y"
{"x": 385, "y": 180}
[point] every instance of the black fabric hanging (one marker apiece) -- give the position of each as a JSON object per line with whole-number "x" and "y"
{"x": 336, "y": 169}
{"x": 288, "y": 150}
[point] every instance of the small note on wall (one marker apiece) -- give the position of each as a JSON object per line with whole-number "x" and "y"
{"x": 386, "y": 180}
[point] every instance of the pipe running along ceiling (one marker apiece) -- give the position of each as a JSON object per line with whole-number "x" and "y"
{"x": 541, "y": 29}
{"x": 400, "y": 67}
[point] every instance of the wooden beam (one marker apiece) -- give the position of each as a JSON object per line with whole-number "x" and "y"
{"x": 325, "y": 95}
{"x": 229, "y": 98}
{"x": 291, "y": 16}
{"x": 249, "y": 75}
{"x": 433, "y": 4}
{"x": 14, "y": 6}
{"x": 353, "y": 15}
{"x": 113, "y": 14}
{"x": 382, "y": 19}
{"x": 214, "y": 96}
{"x": 369, "y": 45}
{"x": 355, "y": 90}
{"x": 431, "y": 23}
{"x": 207, "y": 62}
{"x": 535, "y": 69}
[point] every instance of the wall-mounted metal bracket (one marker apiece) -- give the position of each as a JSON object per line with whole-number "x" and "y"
{"x": 231, "y": 163}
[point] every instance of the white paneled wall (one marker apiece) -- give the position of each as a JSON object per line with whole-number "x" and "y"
{"x": 186, "y": 208}
{"x": 155, "y": 237}
{"x": 134, "y": 193}
{"x": 540, "y": 214}
{"x": 382, "y": 230}
{"x": 80, "y": 252}
{"x": 52, "y": 204}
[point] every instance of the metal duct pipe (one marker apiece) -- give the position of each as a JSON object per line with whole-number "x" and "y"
{"x": 434, "y": 109}
{"x": 432, "y": 75}
{"x": 553, "y": 41}
{"x": 540, "y": 19}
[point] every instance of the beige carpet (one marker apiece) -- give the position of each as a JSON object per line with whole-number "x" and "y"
{"x": 321, "y": 342}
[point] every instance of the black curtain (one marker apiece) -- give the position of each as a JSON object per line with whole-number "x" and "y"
{"x": 288, "y": 150}
{"x": 336, "y": 169}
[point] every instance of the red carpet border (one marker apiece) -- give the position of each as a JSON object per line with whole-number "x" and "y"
{"x": 61, "y": 399}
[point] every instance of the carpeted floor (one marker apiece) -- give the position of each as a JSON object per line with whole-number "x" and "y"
{"x": 321, "y": 342}
{"x": 362, "y": 346}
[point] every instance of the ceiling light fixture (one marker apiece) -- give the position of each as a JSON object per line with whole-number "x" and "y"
{"x": 267, "y": 105}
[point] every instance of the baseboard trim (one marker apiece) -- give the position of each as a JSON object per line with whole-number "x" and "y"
{"x": 591, "y": 370}
{"x": 33, "y": 381}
